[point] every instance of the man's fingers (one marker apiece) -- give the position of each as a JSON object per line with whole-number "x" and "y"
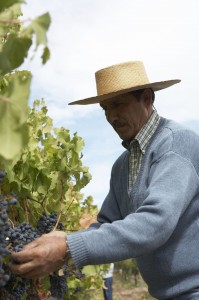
{"x": 32, "y": 270}
{"x": 26, "y": 271}
{"x": 25, "y": 254}
{"x": 20, "y": 269}
{"x": 32, "y": 244}
{"x": 22, "y": 257}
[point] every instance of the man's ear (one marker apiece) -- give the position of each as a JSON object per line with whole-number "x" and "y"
{"x": 147, "y": 97}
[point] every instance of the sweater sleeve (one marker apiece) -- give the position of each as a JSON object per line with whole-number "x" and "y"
{"x": 173, "y": 184}
{"x": 109, "y": 211}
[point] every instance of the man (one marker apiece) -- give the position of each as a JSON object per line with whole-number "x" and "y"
{"x": 152, "y": 209}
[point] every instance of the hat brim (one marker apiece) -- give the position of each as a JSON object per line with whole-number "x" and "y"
{"x": 156, "y": 86}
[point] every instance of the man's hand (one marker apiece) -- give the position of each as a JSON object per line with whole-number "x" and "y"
{"x": 40, "y": 257}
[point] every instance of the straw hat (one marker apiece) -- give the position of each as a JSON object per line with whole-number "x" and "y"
{"x": 123, "y": 78}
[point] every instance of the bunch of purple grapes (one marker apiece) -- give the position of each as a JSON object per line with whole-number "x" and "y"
{"x": 18, "y": 236}
{"x": 21, "y": 235}
{"x": 16, "y": 286}
{"x": 58, "y": 286}
{"x": 3, "y": 235}
{"x": 46, "y": 223}
{"x": 4, "y": 228}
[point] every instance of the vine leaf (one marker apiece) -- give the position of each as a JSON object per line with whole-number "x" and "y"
{"x": 46, "y": 55}
{"x": 13, "y": 53}
{"x": 14, "y": 113}
{"x": 4, "y": 4}
{"x": 40, "y": 25}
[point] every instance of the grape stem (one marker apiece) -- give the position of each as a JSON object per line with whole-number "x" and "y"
{"x": 41, "y": 203}
{"x": 26, "y": 209}
{"x": 10, "y": 221}
{"x": 11, "y": 22}
{"x": 5, "y": 99}
{"x": 61, "y": 203}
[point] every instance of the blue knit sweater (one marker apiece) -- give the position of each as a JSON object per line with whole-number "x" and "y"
{"x": 158, "y": 223}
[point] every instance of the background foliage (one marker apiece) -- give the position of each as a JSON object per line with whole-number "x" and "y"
{"x": 16, "y": 39}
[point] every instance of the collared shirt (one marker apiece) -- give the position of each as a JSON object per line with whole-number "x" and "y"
{"x": 137, "y": 146}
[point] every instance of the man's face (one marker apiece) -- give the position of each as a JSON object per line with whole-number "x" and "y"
{"x": 126, "y": 114}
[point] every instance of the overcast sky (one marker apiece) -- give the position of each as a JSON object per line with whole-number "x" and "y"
{"x": 87, "y": 35}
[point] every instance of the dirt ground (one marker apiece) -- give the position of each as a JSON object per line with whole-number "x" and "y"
{"x": 127, "y": 290}
{"x": 139, "y": 293}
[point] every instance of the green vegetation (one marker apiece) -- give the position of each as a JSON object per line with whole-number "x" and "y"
{"x": 40, "y": 165}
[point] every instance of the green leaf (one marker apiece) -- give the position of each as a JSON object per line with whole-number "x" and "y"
{"x": 46, "y": 55}
{"x": 8, "y": 22}
{"x": 4, "y": 4}
{"x": 74, "y": 283}
{"x": 12, "y": 141}
{"x": 78, "y": 143}
{"x": 13, "y": 53}
{"x": 14, "y": 112}
{"x": 40, "y": 25}
{"x": 42, "y": 184}
{"x": 89, "y": 270}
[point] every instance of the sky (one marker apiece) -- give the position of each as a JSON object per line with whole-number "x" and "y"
{"x": 88, "y": 35}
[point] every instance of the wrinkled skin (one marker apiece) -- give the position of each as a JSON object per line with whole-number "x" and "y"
{"x": 126, "y": 114}
{"x": 41, "y": 257}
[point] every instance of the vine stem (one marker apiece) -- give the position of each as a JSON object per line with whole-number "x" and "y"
{"x": 10, "y": 22}
{"x": 26, "y": 209}
{"x": 70, "y": 204}
{"x": 13, "y": 225}
{"x": 5, "y": 99}
{"x": 13, "y": 216}
{"x": 41, "y": 203}
{"x": 14, "y": 21}
{"x": 61, "y": 203}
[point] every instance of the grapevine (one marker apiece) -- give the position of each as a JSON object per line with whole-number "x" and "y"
{"x": 47, "y": 178}
{"x": 41, "y": 170}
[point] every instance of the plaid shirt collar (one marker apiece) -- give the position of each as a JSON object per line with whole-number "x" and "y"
{"x": 144, "y": 135}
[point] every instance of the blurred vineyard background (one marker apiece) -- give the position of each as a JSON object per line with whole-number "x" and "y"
{"x": 127, "y": 283}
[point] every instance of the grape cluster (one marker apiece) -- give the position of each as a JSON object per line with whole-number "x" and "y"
{"x": 46, "y": 223}
{"x": 58, "y": 286}
{"x": 3, "y": 277}
{"x": 19, "y": 290}
{"x": 4, "y": 228}
{"x": 16, "y": 286}
{"x": 2, "y": 176}
{"x": 18, "y": 236}
{"x": 21, "y": 235}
